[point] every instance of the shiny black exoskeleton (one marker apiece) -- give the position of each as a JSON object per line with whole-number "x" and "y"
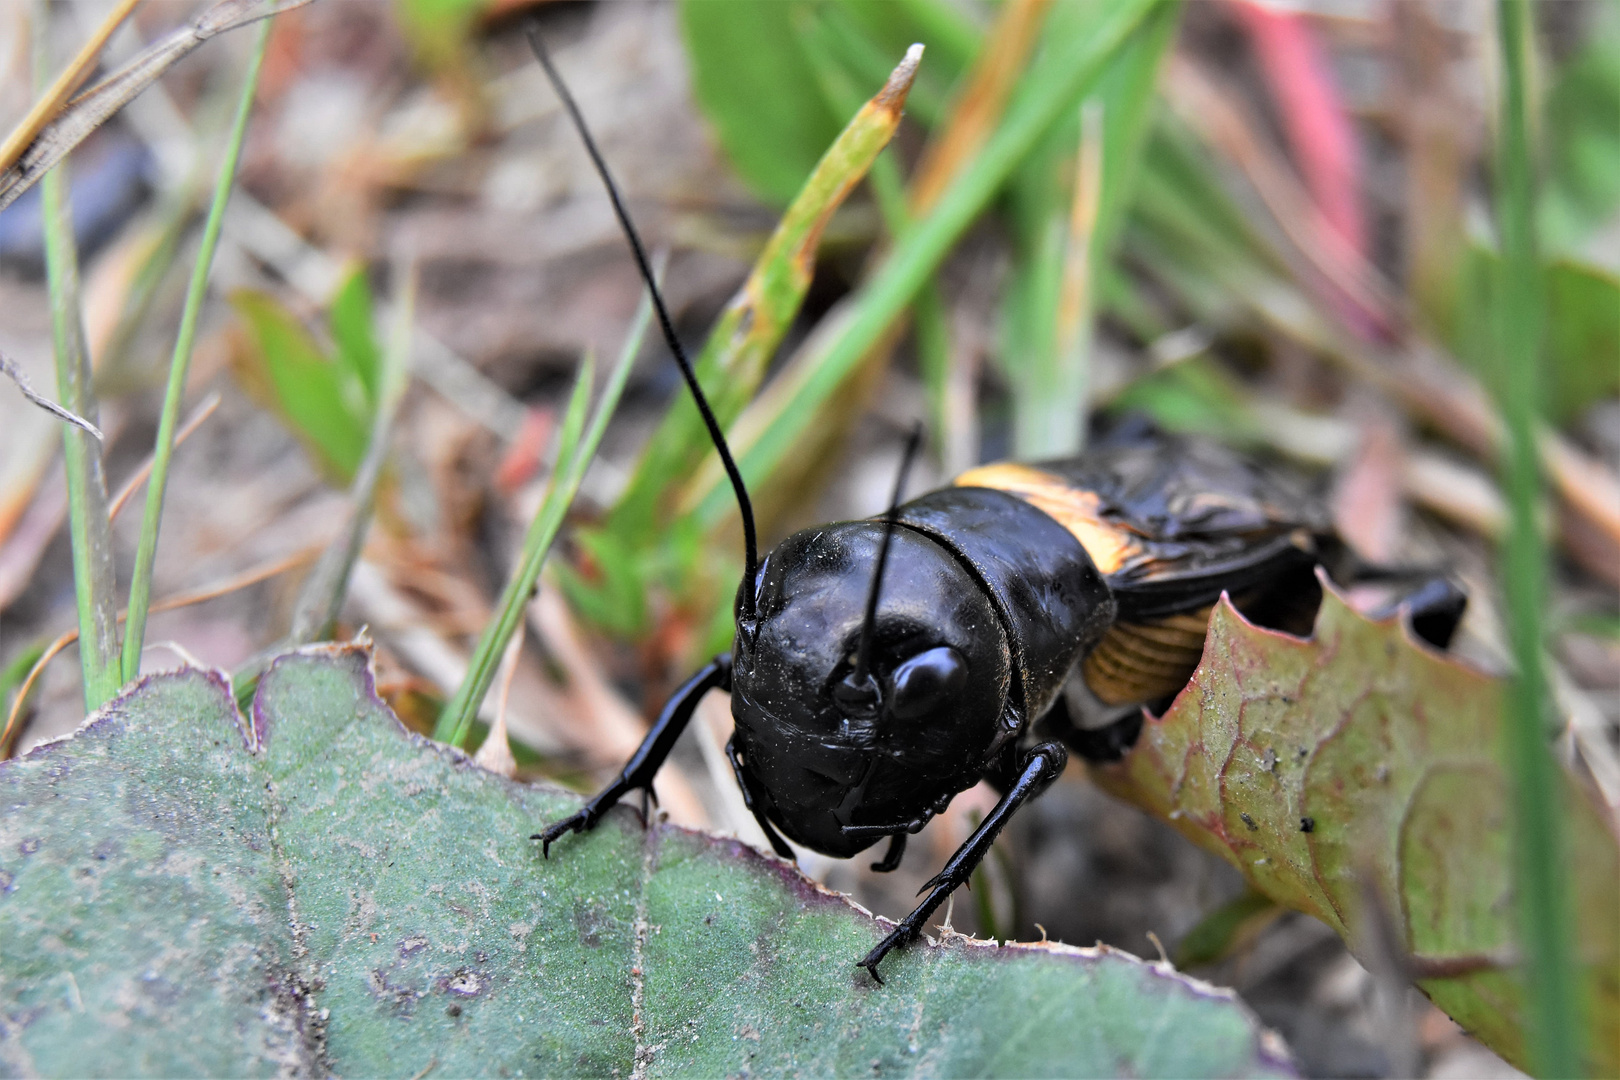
{"x": 986, "y": 604}
{"x": 987, "y": 607}
{"x": 881, "y": 667}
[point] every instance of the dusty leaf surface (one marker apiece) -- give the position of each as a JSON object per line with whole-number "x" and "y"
{"x": 320, "y": 892}
{"x": 1354, "y": 776}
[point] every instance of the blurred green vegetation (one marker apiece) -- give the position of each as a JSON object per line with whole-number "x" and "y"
{"x": 771, "y": 79}
{"x": 325, "y": 392}
{"x": 1171, "y": 238}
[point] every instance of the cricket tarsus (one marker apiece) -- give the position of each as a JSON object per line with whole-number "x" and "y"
{"x": 744, "y": 506}
{"x": 644, "y": 764}
{"x": 863, "y": 651}
{"x": 1043, "y": 764}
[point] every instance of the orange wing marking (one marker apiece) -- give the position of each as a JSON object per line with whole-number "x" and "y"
{"x": 1110, "y": 547}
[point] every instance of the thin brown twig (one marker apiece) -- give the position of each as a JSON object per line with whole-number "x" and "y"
{"x": 192, "y": 423}
{"x": 10, "y": 370}
{"x": 11, "y": 728}
{"x": 179, "y": 600}
{"x": 85, "y": 113}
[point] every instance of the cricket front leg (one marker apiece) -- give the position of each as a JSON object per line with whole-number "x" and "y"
{"x": 644, "y": 764}
{"x": 753, "y": 801}
{"x": 1042, "y": 765}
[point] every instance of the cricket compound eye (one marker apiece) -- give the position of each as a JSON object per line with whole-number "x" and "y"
{"x": 926, "y": 681}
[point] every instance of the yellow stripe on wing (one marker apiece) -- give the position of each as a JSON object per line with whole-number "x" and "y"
{"x": 1111, "y": 548}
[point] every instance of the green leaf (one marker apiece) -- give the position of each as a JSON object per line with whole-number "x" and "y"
{"x": 946, "y": 28}
{"x": 757, "y": 89}
{"x": 350, "y": 319}
{"x": 321, "y": 892}
{"x": 756, "y": 84}
{"x": 1055, "y": 83}
{"x": 1359, "y": 764}
{"x": 1195, "y": 395}
{"x": 439, "y": 30}
{"x": 320, "y": 598}
{"x": 613, "y": 595}
{"x": 1226, "y": 929}
{"x": 1582, "y": 347}
{"x": 322, "y": 401}
{"x": 1583, "y": 336}
{"x": 1583, "y": 139}
{"x": 12, "y": 677}
{"x": 865, "y": 52}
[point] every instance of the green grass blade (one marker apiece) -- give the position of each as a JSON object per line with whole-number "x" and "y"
{"x": 868, "y": 62}
{"x": 1054, "y": 85}
{"x": 843, "y": 97}
{"x": 1075, "y": 234}
{"x": 455, "y": 723}
{"x": 321, "y": 597}
{"x": 140, "y": 588}
{"x": 736, "y": 353}
{"x": 932, "y": 332}
{"x": 1539, "y": 869}
{"x": 576, "y": 448}
{"x": 94, "y": 584}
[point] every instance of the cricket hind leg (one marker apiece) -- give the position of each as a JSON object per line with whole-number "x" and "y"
{"x": 1043, "y": 764}
{"x": 649, "y": 757}
{"x": 1102, "y": 742}
{"x": 1433, "y": 610}
{"x": 1433, "y": 601}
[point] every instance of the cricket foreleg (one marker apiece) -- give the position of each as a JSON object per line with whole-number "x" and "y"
{"x": 751, "y": 800}
{"x": 1043, "y": 764}
{"x": 644, "y": 764}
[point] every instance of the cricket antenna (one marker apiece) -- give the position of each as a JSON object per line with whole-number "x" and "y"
{"x": 863, "y": 650}
{"x": 744, "y": 505}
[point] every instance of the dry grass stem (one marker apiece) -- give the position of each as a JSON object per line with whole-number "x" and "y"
{"x": 9, "y": 368}
{"x": 50, "y": 103}
{"x": 496, "y": 752}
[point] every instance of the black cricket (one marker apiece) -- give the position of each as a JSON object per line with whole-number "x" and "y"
{"x": 881, "y": 667}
